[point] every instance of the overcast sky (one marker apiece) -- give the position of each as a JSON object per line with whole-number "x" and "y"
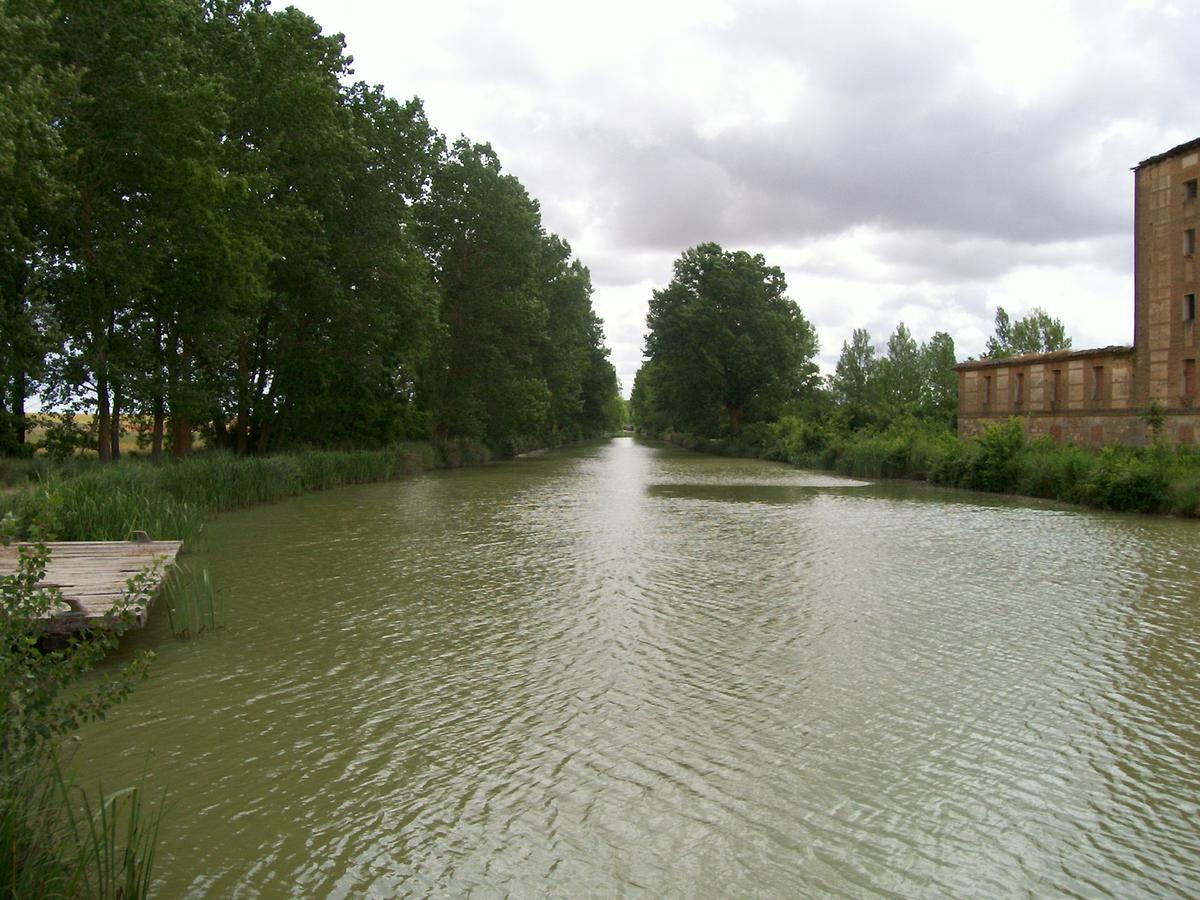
{"x": 901, "y": 161}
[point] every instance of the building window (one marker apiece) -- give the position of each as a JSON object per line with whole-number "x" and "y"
{"x": 1189, "y": 242}
{"x": 1056, "y": 389}
{"x": 1188, "y": 388}
{"x": 1189, "y": 307}
{"x": 987, "y": 389}
{"x": 1189, "y": 191}
{"x": 1097, "y": 382}
{"x": 1019, "y": 389}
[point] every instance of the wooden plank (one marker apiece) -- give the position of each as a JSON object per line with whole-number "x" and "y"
{"x": 92, "y": 576}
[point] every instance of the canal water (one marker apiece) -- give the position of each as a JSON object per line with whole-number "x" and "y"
{"x": 624, "y": 670}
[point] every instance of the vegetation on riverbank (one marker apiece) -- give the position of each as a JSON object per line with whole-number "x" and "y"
{"x": 888, "y": 414}
{"x": 83, "y": 500}
{"x": 55, "y": 841}
{"x": 1154, "y": 479}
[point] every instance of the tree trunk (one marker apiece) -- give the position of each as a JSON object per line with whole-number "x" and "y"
{"x": 114, "y": 435}
{"x": 181, "y": 422}
{"x": 242, "y": 425}
{"x": 103, "y": 416}
{"x": 156, "y": 438}
{"x": 18, "y": 405}
{"x": 735, "y": 419}
{"x": 220, "y": 429}
{"x": 264, "y": 435}
{"x": 268, "y": 413}
{"x": 181, "y": 435}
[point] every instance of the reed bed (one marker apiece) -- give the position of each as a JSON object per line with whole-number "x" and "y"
{"x": 82, "y": 500}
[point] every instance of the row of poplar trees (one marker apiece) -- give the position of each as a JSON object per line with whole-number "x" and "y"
{"x": 205, "y": 226}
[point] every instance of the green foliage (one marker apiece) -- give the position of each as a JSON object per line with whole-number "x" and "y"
{"x": 115, "y": 843}
{"x": 45, "y": 849}
{"x": 192, "y": 602}
{"x": 1155, "y": 479}
{"x": 1138, "y": 483}
{"x": 725, "y": 346}
{"x": 853, "y": 382}
{"x": 1155, "y": 418}
{"x": 908, "y": 381}
{"x": 995, "y": 466}
{"x": 81, "y": 501}
{"x": 1036, "y": 333}
{"x": 63, "y": 437}
{"x": 288, "y": 259}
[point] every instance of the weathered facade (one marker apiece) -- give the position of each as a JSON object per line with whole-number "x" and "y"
{"x": 1095, "y": 397}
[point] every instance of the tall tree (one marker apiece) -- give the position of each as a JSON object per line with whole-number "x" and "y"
{"x": 854, "y": 381}
{"x": 483, "y": 233}
{"x": 1037, "y": 332}
{"x": 939, "y": 384}
{"x": 727, "y": 344}
{"x": 35, "y": 86}
{"x": 140, "y": 132}
{"x": 900, "y": 372}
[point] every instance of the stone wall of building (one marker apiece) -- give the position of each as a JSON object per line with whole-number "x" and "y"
{"x": 1096, "y": 397}
{"x": 1165, "y": 286}
{"x": 1085, "y": 397}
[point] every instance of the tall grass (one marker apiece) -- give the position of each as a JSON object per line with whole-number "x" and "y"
{"x": 57, "y": 842}
{"x": 114, "y": 841}
{"x": 192, "y": 601}
{"x": 80, "y": 501}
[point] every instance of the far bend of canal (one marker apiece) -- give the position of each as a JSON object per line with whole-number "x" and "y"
{"x": 623, "y": 670}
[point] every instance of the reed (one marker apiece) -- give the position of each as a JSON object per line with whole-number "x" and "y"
{"x": 193, "y": 603}
{"x": 81, "y": 500}
{"x": 113, "y": 843}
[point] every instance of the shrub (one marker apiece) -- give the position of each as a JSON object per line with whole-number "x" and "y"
{"x": 996, "y": 465}
{"x": 1122, "y": 480}
{"x": 45, "y": 850}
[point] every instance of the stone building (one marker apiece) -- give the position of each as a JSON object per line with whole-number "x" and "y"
{"x": 1094, "y": 397}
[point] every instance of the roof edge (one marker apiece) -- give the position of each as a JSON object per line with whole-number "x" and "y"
{"x": 1055, "y": 356}
{"x": 1193, "y": 144}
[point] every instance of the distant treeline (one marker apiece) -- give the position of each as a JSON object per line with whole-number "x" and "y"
{"x": 203, "y": 227}
{"x": 726, "y": 349}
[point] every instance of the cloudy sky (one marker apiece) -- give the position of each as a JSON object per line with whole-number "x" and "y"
{"x": 913, "y": 161}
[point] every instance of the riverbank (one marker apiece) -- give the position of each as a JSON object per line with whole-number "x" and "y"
{"x": 82, "y": 500}
{"x": 1156, "y": 479}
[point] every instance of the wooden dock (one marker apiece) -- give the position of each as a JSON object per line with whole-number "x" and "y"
{"x": 92, "y": 576}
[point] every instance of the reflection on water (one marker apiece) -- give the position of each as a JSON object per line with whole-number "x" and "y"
{"x": 629, "y": 670}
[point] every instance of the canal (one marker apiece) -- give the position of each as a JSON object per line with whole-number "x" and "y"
{"x": 626, "y": 670}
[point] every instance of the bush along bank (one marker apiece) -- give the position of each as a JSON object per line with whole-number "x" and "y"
{"x": 1155, "y": 479}
{"x": 82, "y": 500}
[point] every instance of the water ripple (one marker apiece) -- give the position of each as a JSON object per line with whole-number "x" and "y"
{"x": 624, "y": 671}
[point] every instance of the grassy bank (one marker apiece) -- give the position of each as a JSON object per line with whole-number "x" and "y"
{"x": 82, "y": 500}
{"x": 1155, "y": 479}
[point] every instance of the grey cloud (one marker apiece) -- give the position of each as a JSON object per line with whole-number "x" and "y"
{"x": 886, "y": 143}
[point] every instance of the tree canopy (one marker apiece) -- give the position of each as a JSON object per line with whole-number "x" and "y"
{"x": 1036, "y": 332}
{"x": 907, "y": 380}
{"x": 725, "y": 345}
{"x": 207, "y": 226}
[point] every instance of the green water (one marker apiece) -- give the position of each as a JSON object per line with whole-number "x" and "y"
{"x": 623, "y": 670}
